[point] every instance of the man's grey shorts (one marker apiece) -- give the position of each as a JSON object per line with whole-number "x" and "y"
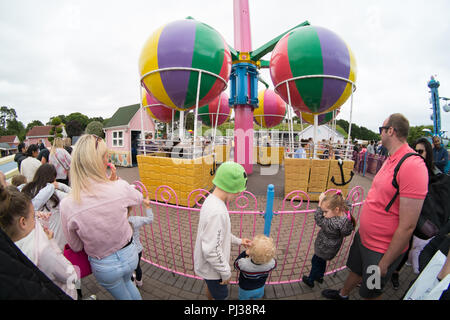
{"x": 362, "y": 261}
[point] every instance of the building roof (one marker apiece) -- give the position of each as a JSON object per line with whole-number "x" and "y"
{"x": 122, "y": 116}
{"x": 7, "y": 139}
{"x": 39, "y": 131}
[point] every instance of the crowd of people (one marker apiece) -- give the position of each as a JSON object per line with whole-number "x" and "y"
{"x": 75, "y": 200}
{"x": 68, "y": 201}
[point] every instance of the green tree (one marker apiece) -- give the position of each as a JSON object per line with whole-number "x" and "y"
{"x": 417, "y": 132}
{"x": 95, "y": 127}
{"x": 16, "y": 128}
{"x": 56, "y": 121}
{"x": 99, "y": 119}
{"x": 5, "y": 115}
{"x": 81, "y": 118}
{"x": 62, "y": 119}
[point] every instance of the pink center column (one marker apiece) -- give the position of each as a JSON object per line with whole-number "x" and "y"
{"x": 243, "y": 123}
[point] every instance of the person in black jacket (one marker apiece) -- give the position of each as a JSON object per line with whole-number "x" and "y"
{"x": 21, "y": 279}
{"x": 21, "y": 154}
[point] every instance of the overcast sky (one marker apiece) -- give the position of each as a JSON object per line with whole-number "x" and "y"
{"x": 61, "y": 56}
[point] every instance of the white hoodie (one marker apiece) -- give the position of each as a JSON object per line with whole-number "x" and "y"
{"x": 213, "y": 243}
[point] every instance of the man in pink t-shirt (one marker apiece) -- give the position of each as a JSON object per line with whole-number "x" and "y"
{"x": 383, "y": 237}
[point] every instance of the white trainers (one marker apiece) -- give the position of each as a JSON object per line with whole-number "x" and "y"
{"x": 139, "y": 283}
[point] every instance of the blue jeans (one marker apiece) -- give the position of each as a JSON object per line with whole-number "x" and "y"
{"x": 114, "y": 273}
{"x": 251, "y": 294}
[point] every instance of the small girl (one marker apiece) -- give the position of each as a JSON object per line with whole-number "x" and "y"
{"x": 17, "y": 219}
{"x": 334, "y": 218}
{"x": 254, "y": 265}
{"x": 136, "y": 223}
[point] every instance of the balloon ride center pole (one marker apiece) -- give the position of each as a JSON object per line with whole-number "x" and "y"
{"x": 243, "y": 110}
{"x": 243, "y": 137}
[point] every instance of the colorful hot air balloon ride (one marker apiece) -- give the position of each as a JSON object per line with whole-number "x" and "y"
{"x": 158, "y": 111}
{"x": 172, "y": 57}
{"x": 216, "y": 112}
{"x": 320, "y": 55}
{"x": 271, "y": 110}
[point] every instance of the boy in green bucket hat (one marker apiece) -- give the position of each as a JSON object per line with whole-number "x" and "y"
{"x": 214, "y": 237}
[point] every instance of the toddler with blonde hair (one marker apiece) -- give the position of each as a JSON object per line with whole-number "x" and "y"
{"x": 254, "y": 265}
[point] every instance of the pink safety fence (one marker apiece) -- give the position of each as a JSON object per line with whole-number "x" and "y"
{"x": 170, "y": 240}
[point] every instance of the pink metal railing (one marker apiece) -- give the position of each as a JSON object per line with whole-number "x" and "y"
{"x": 169, "y": 241}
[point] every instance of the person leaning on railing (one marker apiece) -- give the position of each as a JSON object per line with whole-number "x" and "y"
{"x": 94, "y": 217}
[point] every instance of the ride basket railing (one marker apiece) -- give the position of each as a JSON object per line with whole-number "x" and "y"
{"x": 169, "y": 241}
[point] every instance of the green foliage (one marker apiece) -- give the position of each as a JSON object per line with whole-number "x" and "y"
{"x": 417, "y": 132}
{"x": 361, "y": 133}
{"x": 95, "y": 127}
{"x": 81, "y": 118}
{"x": 56, "y": 121}
{"x": 5, "y": 115}
{"x": 16, "y": 128}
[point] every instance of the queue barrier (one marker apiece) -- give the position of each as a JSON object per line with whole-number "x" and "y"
{"x": 168, "y": 243}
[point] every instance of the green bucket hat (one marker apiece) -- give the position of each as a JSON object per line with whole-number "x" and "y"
{"x": 231, "y": 177}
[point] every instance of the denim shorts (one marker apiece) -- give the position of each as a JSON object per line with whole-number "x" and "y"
{"x": 361, "y": 261}
{"x": 217, "y": 290}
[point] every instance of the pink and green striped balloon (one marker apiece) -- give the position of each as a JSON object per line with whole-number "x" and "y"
{"x": 216, "y": 112}
{"x": 185, "y": 44}
{"x": 158, "y": 111}
{"x": 313, "y": 51}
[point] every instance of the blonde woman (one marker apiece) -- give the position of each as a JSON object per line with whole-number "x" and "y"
{"x": 94, "y": 217}
{"x": 61, "y": 159}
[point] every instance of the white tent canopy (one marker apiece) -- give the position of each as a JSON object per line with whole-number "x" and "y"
{"x": 323, "y": 132}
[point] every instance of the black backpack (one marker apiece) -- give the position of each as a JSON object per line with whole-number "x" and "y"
{"x": 436, "y": 206}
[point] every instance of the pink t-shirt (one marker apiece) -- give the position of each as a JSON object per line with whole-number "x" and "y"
{"x": 99, "y": 223}
{"x": 377, "y": 227}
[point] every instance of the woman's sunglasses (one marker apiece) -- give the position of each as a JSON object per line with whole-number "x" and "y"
{"x": 97, "y": 139}
{"x": 420, "y": 151}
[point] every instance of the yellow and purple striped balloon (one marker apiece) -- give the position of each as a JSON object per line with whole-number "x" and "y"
{"x": 185, "y": 44}
{"x": 313, "y": 51}
{"x": 271, "y": 110}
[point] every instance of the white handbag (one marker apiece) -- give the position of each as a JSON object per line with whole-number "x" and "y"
{"x": 427, "y": 286}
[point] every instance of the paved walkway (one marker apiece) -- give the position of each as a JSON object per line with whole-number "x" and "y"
{"x": 163, "y": 285}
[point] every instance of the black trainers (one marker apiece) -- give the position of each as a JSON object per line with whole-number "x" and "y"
{"x": 395, "y": 282}
{"x": 333, "y": 295}
{"x": 320, "y": 280}
{"x": 308, "y": 282}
